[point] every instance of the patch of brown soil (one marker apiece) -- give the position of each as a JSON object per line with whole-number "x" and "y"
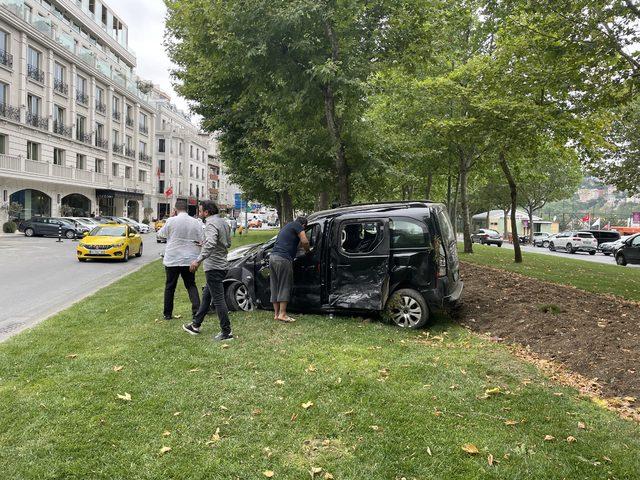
{"x": 594, "y": 335}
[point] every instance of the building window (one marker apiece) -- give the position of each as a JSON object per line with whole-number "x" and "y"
{"x": 81, "y": 90}
{"x": 191, "y": 171}
{"x": 197, "y": 172}
{"x": 143, "y": 147}
{"x": 115, "y": 108}
{"x": 33, "y": 151}
{"x": 191, "y": 189}
{"x": 5, "y": 56}
{"x": 191, "y": 151}
{"x": 129, "y": 116}
{"x": 99, "y": 165}
{"x": 142, "y": 176}
{"x": 81, "y": 127}
{"x": 164, "y": 124}
{"x": 58, "y": 156}
{"x": 143, "y": 123}
{"x": 161, "y": 145}
{"x": 3, "y": 144}
{"x": 180, "y": 148}
{"x": 4, "y": 95}
{"x": 127, "y": 172}
{"x": 115, "y": 169}
{"x": 33, "y": 105}
{"x": 160, "y": 186}
{"x": 100, "y": 142}
{"x": 162, "y": 166}
{"x": 81, "y": 162}
{"x": 180, "y": 169}
{"x": 34, "y": 61}
{"x": 115, "y": 137}
{"x": 59, "y": 79}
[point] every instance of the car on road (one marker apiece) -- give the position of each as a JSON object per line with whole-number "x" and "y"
{"x": 574, "y": 242}
{"x": 110, "y": 242}
{"x": 51, "y": 227}
{"x": 397, "y": 258}
{"x": 80, "y": 222}
{"x": 539, "y": 238}
{"x": 604, "y": 236}
{"x": 159, "y": 224}
{"x": 546, "y": 241}
{"x": 629, "y": 252}
{"x": 610, "y": 248}
{"x": 486, "y": 236}
{"x": 255, "y": 223}
{"x": 139, "y": 226}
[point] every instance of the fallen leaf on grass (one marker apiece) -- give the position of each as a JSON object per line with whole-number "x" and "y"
{"x": 176, "y": 414}
{"x": 117, "y": 368}
{"x": 328, "y": 476}
{"x": 375, "y": 428}
{"x": 571, "y": 439}
{"x": 294, "y": 417}
{"x": 511, "y": 422}
{"x": 166, "y": 433}
{"x": 256, "y": 411}
{"x": 177, "y": 317}
{"x": 194, "y": 370}
{"x": 429, "y": 451}
{"x": 582, "y": 426}
{"x": 267, "y": 451}
{"x": 126, "y": 397}
{"x": 72, "y": 355}
{"x": 268, "y": 473}
{"x": 311, "y": 368}
{"x": 279, "y": 382}
{"x": 226, "y": 345}
{"x": 222, "y": 407}
{"x": 548, "y": 438}
{"x": 164, "y": 450}
{"x": 629, "y": 399}
{"x": 307, "y": 405}
{"x": 492, "y": 391}
{"x": 490, "y": 460}
{"x": 315, "y": 470}
{"x": 470, "y": 448}
{"x": 215, "y": 438}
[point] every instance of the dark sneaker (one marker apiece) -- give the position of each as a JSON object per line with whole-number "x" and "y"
{"x": 191, "y": 328}
{"x": 221, "y": 337}
{"x": 168, "y": 317}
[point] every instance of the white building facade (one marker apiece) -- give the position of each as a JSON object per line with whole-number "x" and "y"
{"x": 77, "y": 130}
{"x": 182, "y": 157}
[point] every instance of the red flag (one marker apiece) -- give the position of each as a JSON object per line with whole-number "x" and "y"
{"x": 169, "y": 192}
{"x": 586, "y": 218}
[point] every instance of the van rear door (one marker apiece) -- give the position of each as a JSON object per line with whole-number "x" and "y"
{"x": 359, "y": 264}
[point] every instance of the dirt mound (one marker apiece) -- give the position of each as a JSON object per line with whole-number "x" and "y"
{"x": 594, "y": 335}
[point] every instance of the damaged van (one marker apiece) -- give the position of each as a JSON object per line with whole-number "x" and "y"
{"x": 398, "y": 258}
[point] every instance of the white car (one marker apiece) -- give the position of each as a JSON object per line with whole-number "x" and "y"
{"x": 574, "y": 242}
{"x": 141, "y": 227}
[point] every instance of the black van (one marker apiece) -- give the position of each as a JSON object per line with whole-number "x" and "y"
{"x": 604, "y": 236}
{"x": 399, "y": 258}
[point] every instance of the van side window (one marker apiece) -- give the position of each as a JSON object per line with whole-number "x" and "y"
{"x": 361, "y": 237}
{"x": 408, "y": 234}
{"x": 446, "y": 228}
{"x": 313, "y": 235}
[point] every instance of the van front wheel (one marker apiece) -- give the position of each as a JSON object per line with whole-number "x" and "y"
{"x": 406, "y": 308}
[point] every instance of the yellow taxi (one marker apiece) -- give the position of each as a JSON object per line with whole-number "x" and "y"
{"x": 111, "y": 242}
{"x": 159, "y": 224}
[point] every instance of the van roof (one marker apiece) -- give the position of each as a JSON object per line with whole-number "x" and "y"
{"x": 375, "y": 208}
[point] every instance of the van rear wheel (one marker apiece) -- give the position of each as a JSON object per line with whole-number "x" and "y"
{"x": 406, "y": 308}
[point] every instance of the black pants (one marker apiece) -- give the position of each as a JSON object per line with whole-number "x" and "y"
{"x": 189, "y": 280}
{"x": 214, "y": 294}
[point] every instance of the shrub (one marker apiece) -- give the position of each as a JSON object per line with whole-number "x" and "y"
{"x": 9, "y": 227}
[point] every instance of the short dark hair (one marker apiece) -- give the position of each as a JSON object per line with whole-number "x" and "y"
{"x": 302, "y": 221}
{"x": 181, "y": 205}
{"x": 209, "y": 206}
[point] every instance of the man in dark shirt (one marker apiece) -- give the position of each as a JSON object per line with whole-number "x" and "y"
{"x": 281, "y": 265}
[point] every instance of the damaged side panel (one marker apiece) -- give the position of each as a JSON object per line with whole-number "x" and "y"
{"x": 362, "y": 288}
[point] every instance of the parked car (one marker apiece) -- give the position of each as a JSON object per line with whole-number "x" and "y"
{"x": 574, "y": 242}
{"x": 539, "y": 238}
{"x": 604, "y": 236}
{"x": 79, "y": 222}
{"x": 111, "y": 242}
{"x": 546, "y": 241}
{"x": 139, "y": 226}
{"x": 399, "y": 258}
{"x": 255, "y": 223}
{"x": 610, "y": 248}
{"x": 486, "y": 236}
{"x": 103, "y": 219}
{"x": 159, "y": 224}
{"x": 51, "y": 227}
{"x": 629, "y": 252}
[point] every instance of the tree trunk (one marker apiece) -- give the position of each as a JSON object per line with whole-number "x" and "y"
{"x": 287, "y": 208}
{"x": 322, "y": 202}
{"x": 427, "y": 189}
{"x": 449, "y": 209}
{"x": 454, "y": 206}
{"x": 333, "y": 123}
{"x": 489, "y": 217}
{"x": 505, "y": 220}
{"x": 530, "y": 212}
{"x": 464, "y": 203}
{"x": 513, "y": 189}
{"x": 279, "y": 206}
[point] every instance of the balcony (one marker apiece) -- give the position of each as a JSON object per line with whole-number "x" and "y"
{"x": 37, "y": 121}
{"x": 82, "y": 97}
{"x": 101, "y": 107}
{"x": 116, "y": 116}
{"x": 60, "y": 87}
{"x": 129, "y": 153}
{"x": 143, "y": 129}
{"x": 7, "y": 111}
{"x": 129, "y": 122}
{"x": 84, "y": 137}
{"x": 10, "y": 164}
{"x": 6, "y": 59}
{"x": 143, "y": 157}
{"x": 34, "y": 73}
{"x": 61, "y": 129}
{"x": 119, "y": 149}
{"x": 101, "y": 143}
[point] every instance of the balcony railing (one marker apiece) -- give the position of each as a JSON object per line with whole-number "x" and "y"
{"x": 84, "y": 137}
{"x": 116, "y": 116}
{"x": 118, "y": 148}
{"x": 37, "y": 121}
{"x": 10, "y": 163}
{"x": 101, "y": 107}
{"x": 7, "y": 111}
{"x": 129, "y": 122}
{"x": 35, "y": 73}
{"x": 61, "y": 129}
{"x": 143, "y": 129}
{"x": 6, "y": 59}
{"x": 82, "y": 97}
{"x": 101, "y": 143}
{"x": 60, "y": 87}
{"x": 143, "y": 157}
{"x": 129, "y": 153}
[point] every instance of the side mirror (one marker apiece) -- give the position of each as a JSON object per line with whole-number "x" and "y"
{"x": 132, "y": 235}
{"x": 85, "y": 234}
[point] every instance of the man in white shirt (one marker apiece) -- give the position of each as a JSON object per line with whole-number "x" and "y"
{"x": 184, "y": 236}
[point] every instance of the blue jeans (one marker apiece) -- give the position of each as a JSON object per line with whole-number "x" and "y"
{"x": 213, "y": 293}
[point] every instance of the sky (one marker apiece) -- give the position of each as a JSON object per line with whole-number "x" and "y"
{"x": 145, "y": 19}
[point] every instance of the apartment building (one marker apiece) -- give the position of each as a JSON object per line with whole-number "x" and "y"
{"x": 76, "y": 123}
{"x": 182, "y": 156}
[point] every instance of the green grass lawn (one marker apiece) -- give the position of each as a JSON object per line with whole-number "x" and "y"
{"x": 385, "y": 403}
{"x": 592, "y": 277}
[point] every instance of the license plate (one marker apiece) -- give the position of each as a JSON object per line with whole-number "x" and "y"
{"x": 95, "y": 252}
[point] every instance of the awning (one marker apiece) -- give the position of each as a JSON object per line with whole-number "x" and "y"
{"x": 129, "y": 194}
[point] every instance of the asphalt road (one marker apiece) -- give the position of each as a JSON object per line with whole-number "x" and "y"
{"x": 597, "y": 258}
{"x": 39, "y": 277}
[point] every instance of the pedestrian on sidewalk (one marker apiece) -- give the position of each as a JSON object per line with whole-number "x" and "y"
{"x": 234, "y": 225}
{"x": 284, "y": 251}
{"x": 214, "y": 257}
{"x": 184, "y": 237}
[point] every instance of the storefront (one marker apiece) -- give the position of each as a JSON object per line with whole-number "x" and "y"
{"x": 120, "y": 203}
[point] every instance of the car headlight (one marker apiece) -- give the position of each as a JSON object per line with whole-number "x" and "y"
{"x": 118, "y": 244}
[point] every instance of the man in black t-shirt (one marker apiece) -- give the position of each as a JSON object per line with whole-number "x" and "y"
{"x": 281, "y": 265}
